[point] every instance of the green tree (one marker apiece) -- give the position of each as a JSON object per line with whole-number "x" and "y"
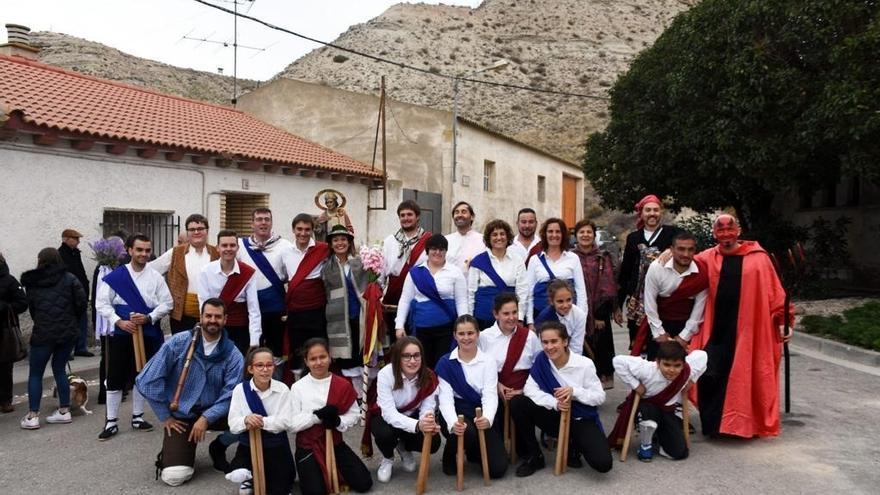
{"x": 738, "y": 100}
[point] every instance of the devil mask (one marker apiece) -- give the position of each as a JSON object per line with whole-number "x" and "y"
{"x": 726, "y": 231}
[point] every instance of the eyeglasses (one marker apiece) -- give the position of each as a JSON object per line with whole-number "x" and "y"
{"x": 263, "y": 366}
{"x": 411, "y": 357}
{"x": 197, "y": 229}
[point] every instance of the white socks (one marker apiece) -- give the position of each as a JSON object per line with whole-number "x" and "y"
{"x": 137, "y": 402}
{"x": 114, "y": 399}
{"x": 647, "y": 428}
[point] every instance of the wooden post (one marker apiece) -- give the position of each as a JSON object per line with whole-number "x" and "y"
{"x": 484, "y": 458}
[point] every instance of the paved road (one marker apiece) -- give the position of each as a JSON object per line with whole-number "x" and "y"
{"x": 829, "y": 444}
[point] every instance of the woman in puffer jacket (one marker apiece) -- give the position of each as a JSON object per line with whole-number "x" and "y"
{"x": 56, "y": 301}
{"x": 12, "y": 302}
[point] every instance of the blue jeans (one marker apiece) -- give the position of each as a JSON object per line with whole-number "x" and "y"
{"x": 82, "y": 341}
{"x": 39, "y": 358}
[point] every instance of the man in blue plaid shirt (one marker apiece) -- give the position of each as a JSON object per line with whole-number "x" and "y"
{"x": 216, "y": 369}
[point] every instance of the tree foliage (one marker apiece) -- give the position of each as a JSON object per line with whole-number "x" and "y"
{"x": 738, "y": 100}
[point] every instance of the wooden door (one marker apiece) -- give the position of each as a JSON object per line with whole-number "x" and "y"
{"x": 569, "y": 200}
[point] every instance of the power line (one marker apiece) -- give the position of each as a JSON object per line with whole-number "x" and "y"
{"x": 401, "y": 64}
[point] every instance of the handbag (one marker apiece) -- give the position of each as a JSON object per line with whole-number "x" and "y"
{"x": 12, "y": 348}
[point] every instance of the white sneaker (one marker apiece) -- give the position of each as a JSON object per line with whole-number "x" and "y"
{"x": 239, "y": 475}
{"x": 58, "y": 417}
{"x": 409, "y": 463}
{"x": 30, "y": 423}
{"x": 384, "y": 472}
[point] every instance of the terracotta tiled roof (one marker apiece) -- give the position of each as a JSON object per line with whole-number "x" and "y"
{"x": 62, "y": 100}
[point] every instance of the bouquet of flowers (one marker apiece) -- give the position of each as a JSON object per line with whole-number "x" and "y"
{"x": 373, "y": 260}
{"x": 108, "y": 252}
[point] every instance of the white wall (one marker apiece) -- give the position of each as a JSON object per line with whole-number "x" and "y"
{"x": 48, "y": 189}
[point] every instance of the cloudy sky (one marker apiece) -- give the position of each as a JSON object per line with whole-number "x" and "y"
{"x": 156, "y": 29}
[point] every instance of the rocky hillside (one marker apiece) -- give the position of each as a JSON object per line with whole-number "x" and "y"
{"x": 577, "y": 46}
{"x": 99, "y": 60}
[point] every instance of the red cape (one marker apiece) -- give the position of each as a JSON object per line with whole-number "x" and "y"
{"x": 751, "y": 406}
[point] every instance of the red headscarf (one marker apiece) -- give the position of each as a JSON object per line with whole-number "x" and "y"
{"x": 641, "y": 204}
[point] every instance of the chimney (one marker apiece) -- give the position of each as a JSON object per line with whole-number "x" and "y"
{"x": 19, "y": 42}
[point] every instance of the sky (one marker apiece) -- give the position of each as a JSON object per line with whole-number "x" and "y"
{"x": 156, "y": 29}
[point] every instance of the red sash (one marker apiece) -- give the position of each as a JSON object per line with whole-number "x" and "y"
{"x": 509, "y": 378}
{"x": 532, "y": 252}
{"x": 307, "y": 295}
{"x": 676, "y": 307}
{"x": 236, "y": 312}
{"x": 615, "y": 438}
{"x": 395, "y": 282}
{"x": 341, "y": 395}
{"x": 373, "y": 409}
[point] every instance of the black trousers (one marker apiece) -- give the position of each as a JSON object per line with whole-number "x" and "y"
{"x": 120, "y": 359}
{"x": 602, "y": 343}
{"x": 436, "y": 341}
{"x": 277, "y": 464}
{"x": 185, "y": 323}
{"x": 273, "y": 333}
{"x": 633, "y": 328}
{"x": 302, "y": 326}
{"x": 585, "y": 436}
{"x": 6, "y": 383}
{"x": 497, "y": 457}
{"x": 670, "y": 430}
{"x": 241, "y": 337}
{"x": 354, "y": 473}
{"x": 498, "y": 426}
{"x": 387, "y": 437}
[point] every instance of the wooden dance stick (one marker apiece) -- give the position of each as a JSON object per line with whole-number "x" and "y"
{"x": 565, "y": 440}
{"x": 686, "y": 419}
{"x": 507, "y": 441}
{"x": 513, "y": 458}
{"x": 561, "y": 443}
{"x": 257, "y": 467}
{"x": 175, "y": 402}
{"x": 484, "y": 458}
{"x": 422, "y": 480}
{"x": 459, "y": 460}
{"x": 330, "y": 461}
{"x": 629, "y": 427}
{"x": 138, "y": 343}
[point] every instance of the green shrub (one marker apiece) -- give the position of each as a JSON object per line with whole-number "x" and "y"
{"x": 858, "y": 326}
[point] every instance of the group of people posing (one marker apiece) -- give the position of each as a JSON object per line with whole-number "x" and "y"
{"x": 483, "y": 331}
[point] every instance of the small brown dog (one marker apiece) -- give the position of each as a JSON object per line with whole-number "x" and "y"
{"x": 79, "y": 394}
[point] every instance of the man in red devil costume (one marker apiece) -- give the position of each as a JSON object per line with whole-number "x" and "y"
{"x": 742, "y": 333}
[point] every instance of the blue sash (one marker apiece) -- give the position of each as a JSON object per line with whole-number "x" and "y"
{"x": 256, "y": 406}
{"x": 271, "y": 298}
{"x": 354, "y": 302}
{"x": 540, "y": 299}
{"x": 451, "y": 371}
{"x": 542, "y": 373}
{"x": 425, "y": 283}
{"x": 546, "y": 314}
{"x": 123, "y": 285}
{"x": 484, "y": 299}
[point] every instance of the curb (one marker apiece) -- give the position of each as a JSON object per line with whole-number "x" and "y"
{"x": 837, "y": 350}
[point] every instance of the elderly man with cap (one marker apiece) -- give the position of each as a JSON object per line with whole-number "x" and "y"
{"x": 72, "y": 256}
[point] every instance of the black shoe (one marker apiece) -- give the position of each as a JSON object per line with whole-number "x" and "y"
{"x": 218, "y": 456}
{"x": 110, "y": 430}
{"x": 529, "y": 466}
{"x": 574, "y": 461}
{"x": 448, "y": 463}
{"x": 83, "y": 354}
{"x": 70, "y": 358}
{"x": 139, "y": 423}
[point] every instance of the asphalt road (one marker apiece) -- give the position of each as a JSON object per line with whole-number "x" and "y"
{"x": 829, "y": 444}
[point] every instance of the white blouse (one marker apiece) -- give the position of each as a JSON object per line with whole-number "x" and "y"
{"x": 511, "y": 269}
{"x": 635, "y": 371}
{"x": 309, "y": 394}
{"x": 275, "y": 401}
{"x": 494, "y": 343}
{"x": 481, "y": 373}
{"x": 450, "y": 284}
{"x": 579, "y": 373}
{"x": 391, "y": 400}
{"x": 567, "y": 267}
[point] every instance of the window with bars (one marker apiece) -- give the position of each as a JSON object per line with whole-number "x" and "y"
{"x": 488, "y": 175}
{"x": 236, "y": 210}
{"x": 162, "y": 227}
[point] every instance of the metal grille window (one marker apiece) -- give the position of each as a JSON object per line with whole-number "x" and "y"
{"x": 161, "y": 227}
{"x": 236, "y": 210}
{"x": 542, "y": 188}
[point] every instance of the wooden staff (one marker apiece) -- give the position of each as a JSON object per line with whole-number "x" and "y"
{"x": 175, "y": 403}
{"x": 507, "y": 440}
{"x": 330, "y": 461}
{"x": 562, "y": 443}
{"x": 686, "y": 419}
{"x": 629, "y": 427}
{"x": 484, "y": 458}
{"x": 422, "y": 479}
{"x": 137, "y": 342}
{"x": 513, "y": 458}
{"x": 459, "y": 460}
{"x": 257, "y": 466}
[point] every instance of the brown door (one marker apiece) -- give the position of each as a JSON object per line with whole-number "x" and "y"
{"x": 569, "y": 200}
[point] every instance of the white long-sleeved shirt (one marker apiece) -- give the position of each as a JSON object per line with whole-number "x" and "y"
{"x": 391, "y": 400}
{"x": 481, "y": 373}
{"x": 576, "y": 324}
{"x": 193, "y": 260}
{"x": 211, "y": 283}
{"x": 275, "y": 401}
{"x": 521, "y": 250}
{"x": 567, "y": 267}
{"x": 450, "y": 285}
{"x": 579, "y": 373}
{"x": 296, "y": 256}
{"x": 153, "y": 290}
{"x": 463, "y": 248}
{"x": 279, "y": 256}
{"x": 635, "y": 371}
{"x": 511, "y": 269}
{"x": 393, "y": 261}
{"x": 307, "y": 395}
{"x": 494, "y": 343}
{"x": 661, "y": 281}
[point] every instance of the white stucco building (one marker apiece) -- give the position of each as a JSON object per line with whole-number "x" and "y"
{"x": 96, "y": 155}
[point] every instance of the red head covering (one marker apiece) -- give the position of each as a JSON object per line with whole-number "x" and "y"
{"x": 641, "y": 204}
